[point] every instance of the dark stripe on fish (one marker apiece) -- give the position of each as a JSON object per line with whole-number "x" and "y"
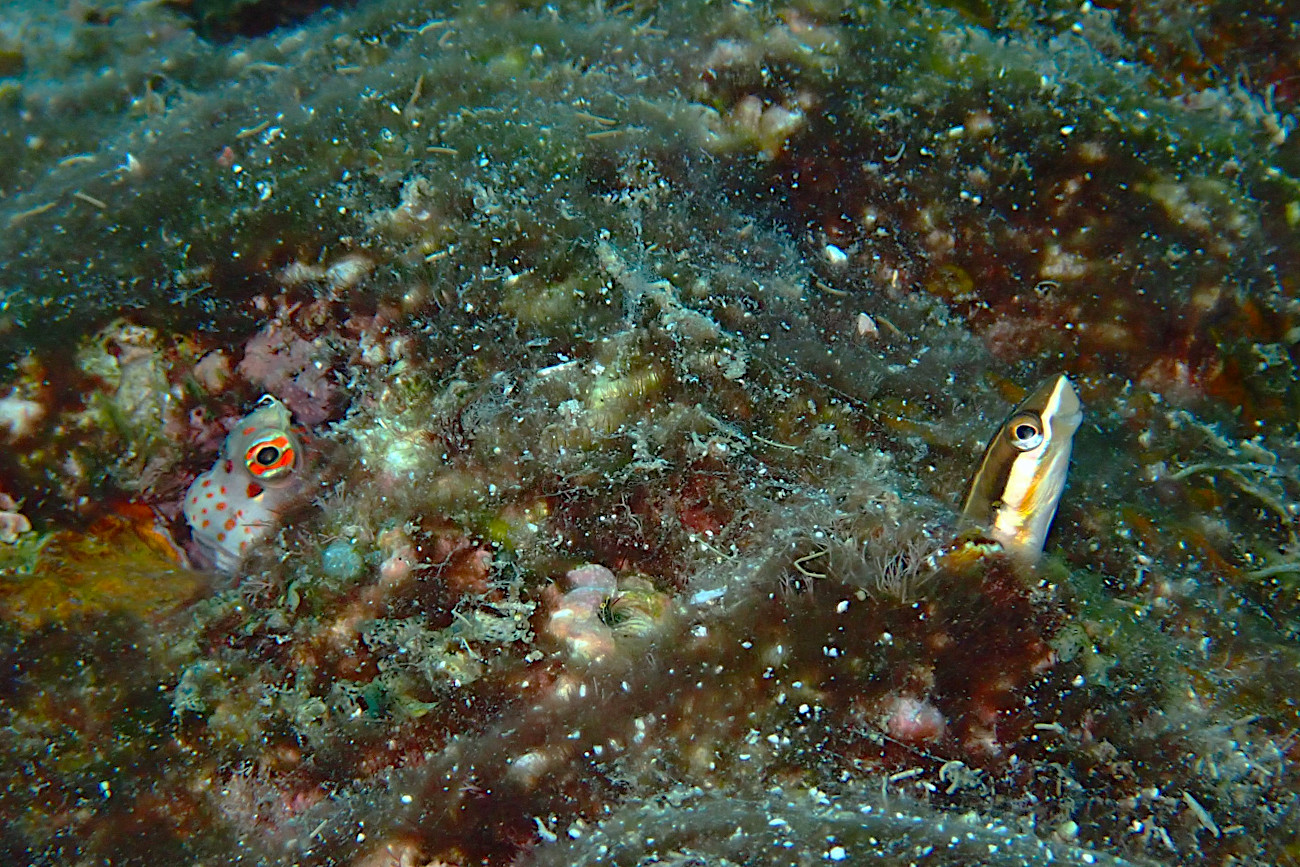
{"x": 1015, "y": 492}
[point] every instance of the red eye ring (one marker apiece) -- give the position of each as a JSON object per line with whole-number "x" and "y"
{"x": 270, "y": 457}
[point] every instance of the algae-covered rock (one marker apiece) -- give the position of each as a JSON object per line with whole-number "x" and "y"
{"x": 641, "y": 355}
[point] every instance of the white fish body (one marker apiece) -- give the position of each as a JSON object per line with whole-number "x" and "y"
{"x": 237, "y": 503}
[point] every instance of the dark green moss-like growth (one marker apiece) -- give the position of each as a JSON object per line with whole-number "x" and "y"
{"x": 646, "y": 353}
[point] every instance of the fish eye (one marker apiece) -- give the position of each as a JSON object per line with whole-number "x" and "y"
{"x": 1026, "y": 432}
{"x": 270, "y": 458}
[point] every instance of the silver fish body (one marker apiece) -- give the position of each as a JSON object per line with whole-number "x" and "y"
{"x": 1014, "y": 493}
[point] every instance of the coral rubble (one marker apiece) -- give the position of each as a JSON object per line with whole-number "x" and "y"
{"x": 643, "y": 355}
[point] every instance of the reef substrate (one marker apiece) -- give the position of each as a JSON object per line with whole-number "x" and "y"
{"x": 642, "y": 356}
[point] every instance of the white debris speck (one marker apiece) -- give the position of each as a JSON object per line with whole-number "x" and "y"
{"x": 704, "y": 596}
{"x": 544, "y": 832}
{"x": 1202, "y": 815}
{"x": 20, "y": 417}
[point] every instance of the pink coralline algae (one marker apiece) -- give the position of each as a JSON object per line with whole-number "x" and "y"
{"x": 13, "y": 523}
{"x": 297, "y": 369}
{"x": 912, "y": 720}
{"x": 576, "y": 620}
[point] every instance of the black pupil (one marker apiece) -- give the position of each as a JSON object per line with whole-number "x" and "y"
{"x": 1024, "y": 432}
{"x": 267, "y": 455}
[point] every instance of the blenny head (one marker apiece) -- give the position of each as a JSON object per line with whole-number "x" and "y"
{"x": 237, "y": 503}
{"x": 1015, "y": 492}
{"x": 264, "y": 443}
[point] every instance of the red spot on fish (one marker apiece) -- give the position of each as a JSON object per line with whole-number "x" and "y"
{"x": 223, "y": 489}
{"x": 248, "y": 430}
{"x": 230, "y": 466}
{"x": 206, "y": 482}
{"x": 209, "y": 495}
{"x": 230, "y": 523}
{"x": 253, "y": 489}
{"x": 206, "y": 522}
{"x": 221, "y": 537}
{"x": 220, "y": 506}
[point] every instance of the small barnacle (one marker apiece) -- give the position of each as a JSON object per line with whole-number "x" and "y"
{"x": 635, "y": 610}
{"x": 613, "y": 398}
{"x": 348, "y": 271}
{"x": 629, "y": 613}
{"x": 617, "y": 394}
{"x": 609, "y": 614}
{"x": 547, "y": 302}
{"x": 754, "y": 124}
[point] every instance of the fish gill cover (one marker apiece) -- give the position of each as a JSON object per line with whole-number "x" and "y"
{"x": 643, "y": 355}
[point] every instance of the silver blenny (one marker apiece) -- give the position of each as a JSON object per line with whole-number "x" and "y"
{"x": 1015, "y": 491}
